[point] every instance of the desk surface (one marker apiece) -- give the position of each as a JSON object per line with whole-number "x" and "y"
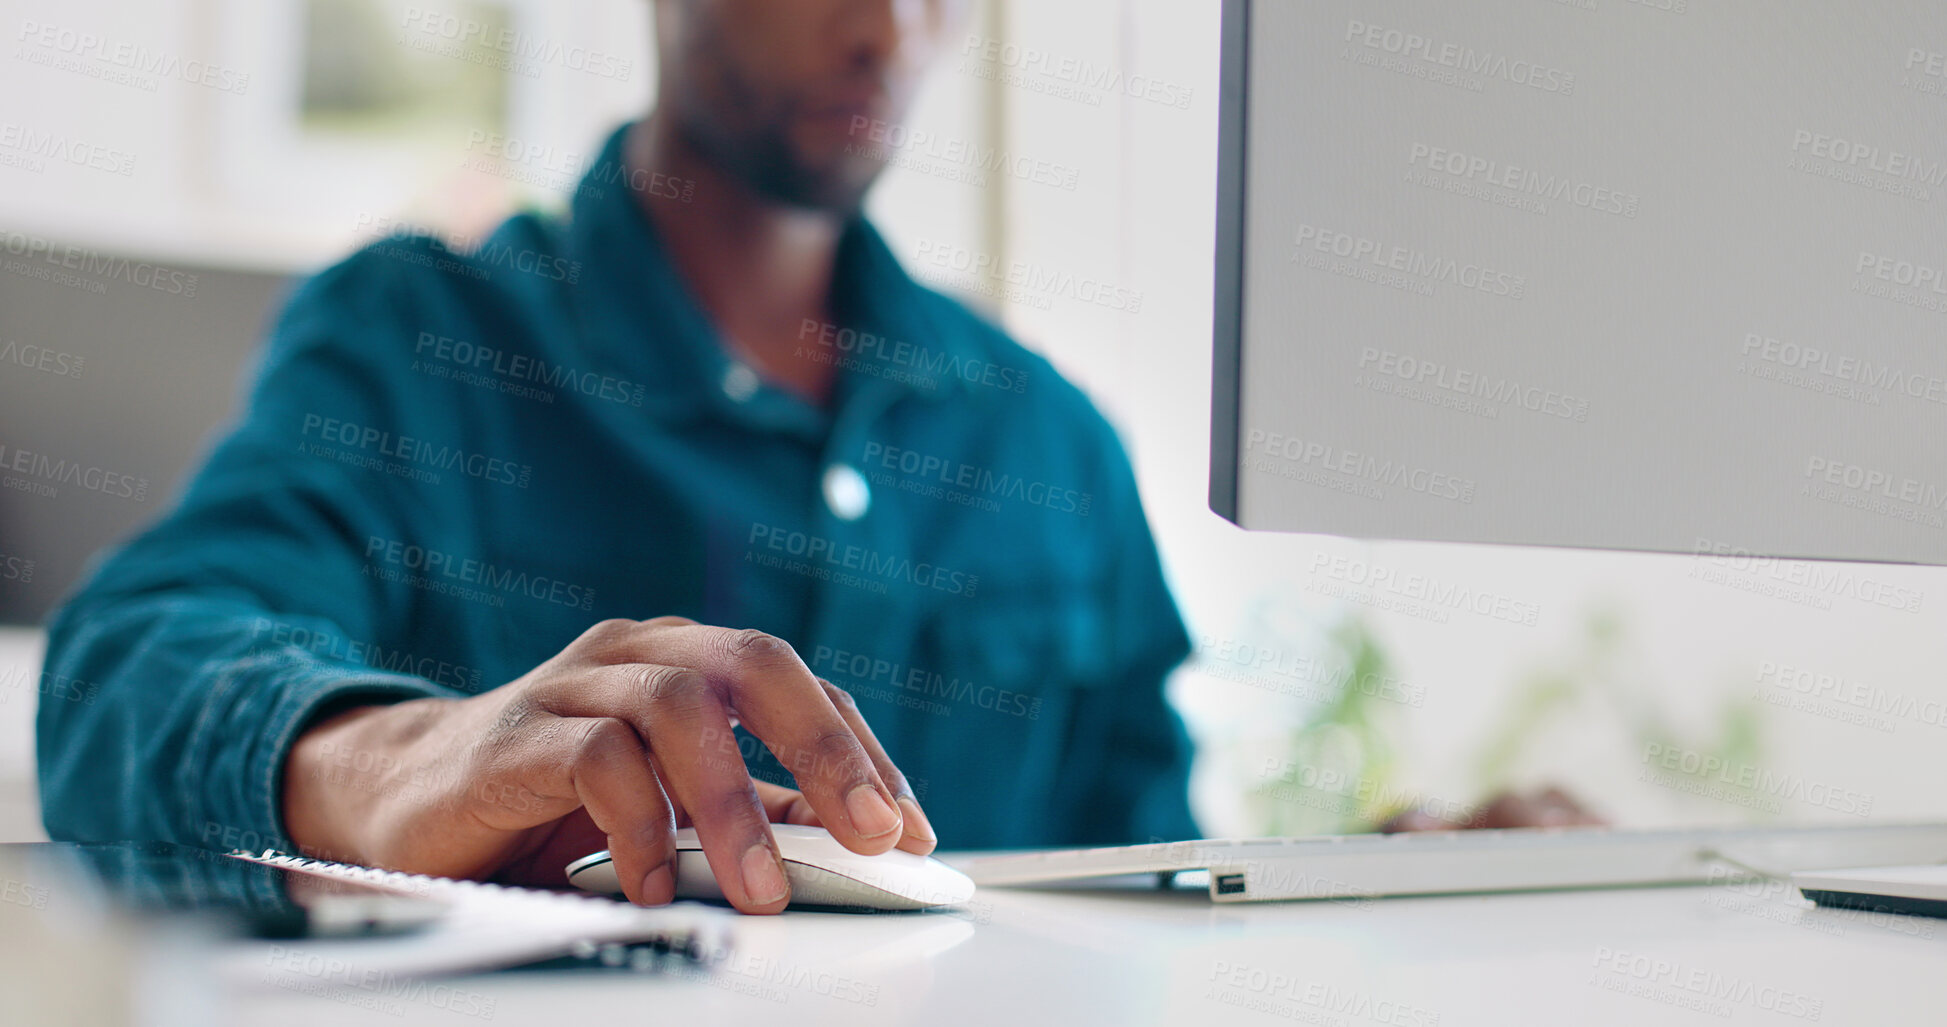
{"x": 1718, "y": 955}
{"x": 20, "y": 665}
{"x": 1755, "y": 954}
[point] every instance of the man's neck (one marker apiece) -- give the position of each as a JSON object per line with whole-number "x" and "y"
{"x": 758, "y": 268}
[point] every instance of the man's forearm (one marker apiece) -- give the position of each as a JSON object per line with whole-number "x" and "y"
{"x": 178, "y": 735}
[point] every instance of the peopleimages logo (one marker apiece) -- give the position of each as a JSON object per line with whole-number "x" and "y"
{"x": 1409, "y": 263}
{"x": 1866, "y": 698}
{"x": 1801, "y": 581}
{"x": 521, "y": 49}
{"x": 62, "y": 148}
{"x": 1696, "y": 987}
{"x": 1085, "y": 82}
{"x": 1245, "y": 662}
{"x": 366, "y": 986}
{"x": 513, "y": 368}
{"x": 859, "y": 669}
{"x": 822, "y": 557}
{"x": 1906, "y": 282}
{"x": 1465, "y": 59}
{"x": 119, "y": 61}
{"x": 1870, "y": 157}
{"x": 48, "y": 685}
{"x": 1702, "y": 773}
{"x": 432, "y": 570}
{"x": 1524, "y": 181}
{"x": 142, "y": 274}
{"x": 1902, "y": 272}
{"x": 1277, "y": 992}
{"x": 1877, "y": 482}
{"x": 883, "y": 139}
{"x": 925, "y": 363}
{"x": 1506, "y": 392}
{"x": 1844, "y": 370}
{"x": 955, "y": 474}
{"x": 1361, "y": 466}
{"x": 479, "y": 256}
{"x": 16, "y": 568}
{"x": 40, "y": 358}
{"x": 408, "y": 450}
{"x": 1425, "y": 589}
{"x": 1034, "y": 281}
{"x": 42, "y": 475}
{"x": 371, "y": 654}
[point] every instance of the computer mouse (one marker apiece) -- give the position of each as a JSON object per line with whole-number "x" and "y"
{"x": 823, "y": 874}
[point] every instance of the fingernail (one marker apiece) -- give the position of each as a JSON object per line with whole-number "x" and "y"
{"x": 916, "y": 823}
{"x": 658, "y": 886}
{"x": 871, "y": 814}
{"x": 764, "y": 881}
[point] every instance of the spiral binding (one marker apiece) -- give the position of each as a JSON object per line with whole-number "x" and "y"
{"x": 620, "y": 936}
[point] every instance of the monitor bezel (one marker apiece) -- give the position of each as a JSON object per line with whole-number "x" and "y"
{"x": 1227, "y": 334}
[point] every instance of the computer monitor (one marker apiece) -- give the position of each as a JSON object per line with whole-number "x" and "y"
{"x": 1659, "y": 275}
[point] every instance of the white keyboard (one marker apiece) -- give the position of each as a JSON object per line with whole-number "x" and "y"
{"x": 1448, "y": 862}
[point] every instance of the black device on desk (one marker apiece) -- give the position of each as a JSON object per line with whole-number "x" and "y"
{"x": 253, "y": 898}
{"x": 1912, "y": 891}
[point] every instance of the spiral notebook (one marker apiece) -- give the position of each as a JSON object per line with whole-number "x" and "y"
{"x": 484, "y": 927}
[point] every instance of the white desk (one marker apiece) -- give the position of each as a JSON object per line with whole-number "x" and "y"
{"x": 21, "y": 649}
{"x": 1582, "y": 958}
{"x": 1073, "y": 958}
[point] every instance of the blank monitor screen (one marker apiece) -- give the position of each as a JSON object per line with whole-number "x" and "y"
{"x": 1660, "y": 275}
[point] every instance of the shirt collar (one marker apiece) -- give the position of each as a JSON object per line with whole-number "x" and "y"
{"x": 636, "y": 312}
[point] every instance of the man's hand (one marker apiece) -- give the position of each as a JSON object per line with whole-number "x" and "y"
{"x": 611, "y": 744}
{"x": 1549, "y": 807}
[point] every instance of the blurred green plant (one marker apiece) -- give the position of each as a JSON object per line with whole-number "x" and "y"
{"x": 1594, "y": 673}
{"x": 1338, "y": 769}
{"x": 1338, "y": 764}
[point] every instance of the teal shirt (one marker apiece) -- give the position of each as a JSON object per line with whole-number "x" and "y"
{"x": 452, "y": 465}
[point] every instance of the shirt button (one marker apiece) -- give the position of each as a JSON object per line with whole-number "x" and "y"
{"x": 740, "y": 382}
{"x": 846, "y": 492}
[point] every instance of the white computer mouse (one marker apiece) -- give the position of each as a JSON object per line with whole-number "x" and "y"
{"x": 823, "y": 874}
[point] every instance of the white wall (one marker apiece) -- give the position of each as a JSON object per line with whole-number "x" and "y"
{"x": 20, "y": 661}
{"x": 221, "y": 174}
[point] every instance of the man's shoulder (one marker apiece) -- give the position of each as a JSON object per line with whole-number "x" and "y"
{"x": 405, "y": 265}
{"x": 405, "y": 283}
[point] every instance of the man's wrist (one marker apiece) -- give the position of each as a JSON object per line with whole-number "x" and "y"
{"x": 336, "y": 775}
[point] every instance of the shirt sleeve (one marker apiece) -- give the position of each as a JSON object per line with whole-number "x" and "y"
{"x": 1128, "y": 768}
{"x": 195, "y": 654}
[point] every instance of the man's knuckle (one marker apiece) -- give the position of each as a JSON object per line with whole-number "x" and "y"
{"x": 837, "y": 748}
{"x": 515, "y": 715}
{"x": 656, "y": 838}
{"x": 608, "y": 641}
{"x": 759, "y": 647}
{"x": 737, "y": 805}
{"x": 678, "y": 687}
{"x": 839, "y": 697}
{"x": 609, "y": 629}
{"x": 606, "y": 739}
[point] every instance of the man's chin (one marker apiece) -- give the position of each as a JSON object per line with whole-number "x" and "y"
{"x": 839, "y": 192}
